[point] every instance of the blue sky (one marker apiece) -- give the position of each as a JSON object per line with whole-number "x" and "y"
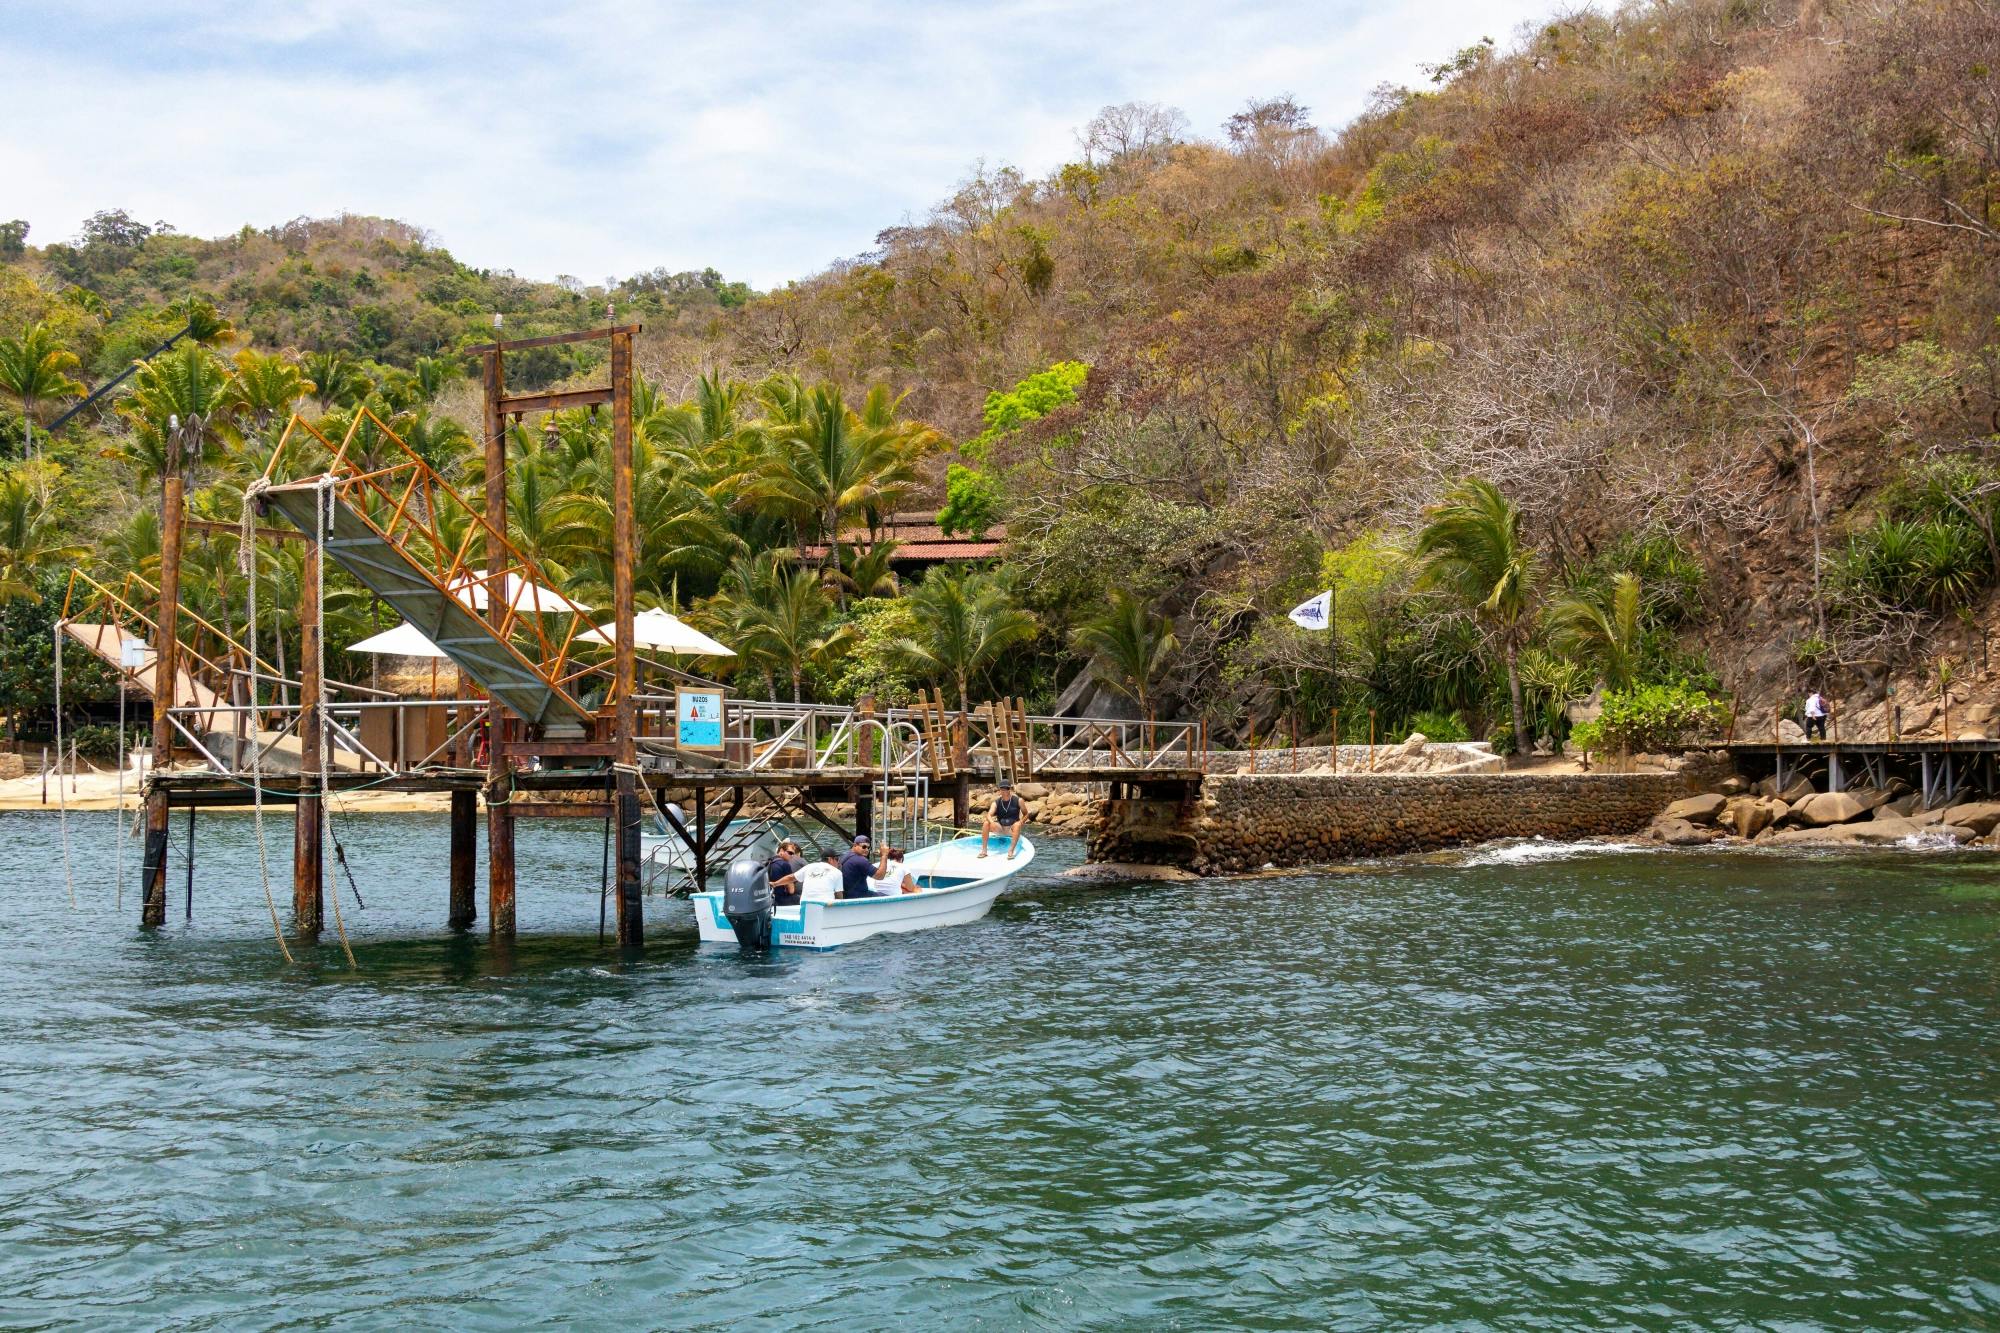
{"x": 598, "y": 139}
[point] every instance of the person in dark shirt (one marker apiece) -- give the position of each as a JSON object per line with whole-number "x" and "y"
{"x": 782, "y": 871}
{"x": 855, "y": 870}
{"x": 1004, "y": 817}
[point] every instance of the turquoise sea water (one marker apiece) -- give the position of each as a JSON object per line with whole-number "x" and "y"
{"x": 1655, "y": 1090}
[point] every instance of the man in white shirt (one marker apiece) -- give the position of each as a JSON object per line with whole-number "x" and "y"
{"x": 1815, "y": 715}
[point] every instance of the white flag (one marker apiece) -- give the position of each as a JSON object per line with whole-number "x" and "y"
{"x": 1315, "y": 612}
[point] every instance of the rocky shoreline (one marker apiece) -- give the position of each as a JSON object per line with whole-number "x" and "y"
{"x": 1764, "y": 814}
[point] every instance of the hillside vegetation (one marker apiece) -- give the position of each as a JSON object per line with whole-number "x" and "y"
{"x": 1678, "y": 326}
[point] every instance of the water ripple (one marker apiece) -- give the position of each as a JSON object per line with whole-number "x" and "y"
{"x": 1545, "y": 1086}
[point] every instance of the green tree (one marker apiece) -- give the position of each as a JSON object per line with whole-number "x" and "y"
{"x": 1033, "y": 398}
{"x": 266, "y": 388}
{"x": 1472, "y": 550}
{"x": 1129, "y": 646}
{"x": 964, "y": 622}
{"x": 1602, "y": 629}
{"x": 971, "y": 502}
{"x": 829, "y": 463}
{"x": 33, "y": 369}
{"x": 182, "y": 409}
{"x": 796, "y": 629}
{"x": 336, "y": 380}
{"x": 30, "y": 540}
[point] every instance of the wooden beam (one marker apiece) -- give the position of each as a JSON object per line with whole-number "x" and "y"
{"x": 562, "y": 809}
{"x": 553, "y": 339}
{"x": 554, "y": 402}
{"x": 557, "y": 749}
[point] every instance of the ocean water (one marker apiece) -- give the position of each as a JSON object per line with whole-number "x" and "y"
{"x": 1518, "y": 1088}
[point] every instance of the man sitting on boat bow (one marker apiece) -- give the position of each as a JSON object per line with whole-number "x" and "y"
{"x": 1004, "y": 817}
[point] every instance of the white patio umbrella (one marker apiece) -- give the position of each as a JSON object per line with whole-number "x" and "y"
{"x": 662, "y": 630}
{"x": 522, "y": 594}
{"x": 406, "y": 640}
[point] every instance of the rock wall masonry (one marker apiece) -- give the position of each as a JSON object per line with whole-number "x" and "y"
{"x": 1244, "y": 822}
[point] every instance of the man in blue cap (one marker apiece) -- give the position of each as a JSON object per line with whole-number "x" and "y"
{"x": 855, "y": 870}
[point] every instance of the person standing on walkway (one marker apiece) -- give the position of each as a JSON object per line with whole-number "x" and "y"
{"x": 1815, "y": 715}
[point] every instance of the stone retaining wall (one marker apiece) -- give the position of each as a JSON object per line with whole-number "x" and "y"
{"x": 1246, "y": 821}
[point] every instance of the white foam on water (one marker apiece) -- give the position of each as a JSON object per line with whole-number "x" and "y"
{"x": 1530, "y": 851}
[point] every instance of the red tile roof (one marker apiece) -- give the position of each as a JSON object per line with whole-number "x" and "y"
{"x": 917, "y": 539}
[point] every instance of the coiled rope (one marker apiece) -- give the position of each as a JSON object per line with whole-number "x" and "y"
{"x": 246, "y": 563}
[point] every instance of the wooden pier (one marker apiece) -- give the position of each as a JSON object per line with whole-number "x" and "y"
{"x": 565, "y": 730}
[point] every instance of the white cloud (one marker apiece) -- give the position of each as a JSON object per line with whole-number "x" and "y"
{"x": 764, "y": 139}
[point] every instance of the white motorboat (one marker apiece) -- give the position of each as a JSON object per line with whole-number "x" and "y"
{"x": 957, "y": 886}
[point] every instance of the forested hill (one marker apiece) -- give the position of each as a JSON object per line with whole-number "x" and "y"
{"x": 1703, "y": 294}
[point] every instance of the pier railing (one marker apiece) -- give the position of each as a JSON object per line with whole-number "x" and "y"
{"x": 770, "y": 739}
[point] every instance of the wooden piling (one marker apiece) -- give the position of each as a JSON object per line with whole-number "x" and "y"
{"x": 464, "y": 858}
{"x": 961, "y": 799}
{"x": 499, "y": 787}
{"x": 631, "y": 906}
{"x": 166, "y": 666}
{"x": 308, "y": 820}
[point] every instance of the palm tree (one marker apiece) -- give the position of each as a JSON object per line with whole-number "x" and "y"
{"x": 184, "y": 397}
{"x": 34, "y": 368}
{"x": 29, "y": 541}
{"x": 1472, "y": 549}
{"x": 266, "y": 387}
{"x": 1601, "y": 629}
{"x": 1129, "y": 646}
{"x": 337, "y": 381}
{"x": 205, "y": 324}
{"x": 828, "y": 464}
{"x": 964, "y": 623}
{"x": 867, "y": 573}
{"x": 748, "y": 584}
{"x": 794, "y": 628}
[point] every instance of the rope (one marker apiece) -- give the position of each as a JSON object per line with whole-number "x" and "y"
{"x": 119, "y": 840}
{"x": 62, "y": 803}
{"x": 322, "y": 496}
{"x": 246, "y": 563}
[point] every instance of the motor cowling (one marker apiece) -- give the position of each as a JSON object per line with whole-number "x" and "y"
{"x": 746, "y": 902}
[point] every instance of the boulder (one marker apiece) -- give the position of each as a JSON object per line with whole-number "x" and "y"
{"x": 1970, "y": 734}
{"x": 1871, "y": 798}
{"x": 1979, "y": 816}
{"x": 1031, "y": 791}
{"x": 1752, "y": 816}
{"x": 1830, "y": 807}
{"x": 1904, "y": 805}
{"x": 1791, "y": 733}
{"x": 1732, "y": 786}
{"x": 1414, "y": 743}
{"x": 1794, "y": 791}
{"x": 1675, "y": 832}
{"x": 1980, "y": 715}
{"x": 1701, "y": 809}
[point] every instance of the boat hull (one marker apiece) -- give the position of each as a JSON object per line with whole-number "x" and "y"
{"x": 965, "y": 888}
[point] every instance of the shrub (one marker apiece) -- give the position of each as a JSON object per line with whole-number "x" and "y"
{"x": 1441, "y": 726}
{"x": 96, "y": 741}
{"x": 1650, "y": 717}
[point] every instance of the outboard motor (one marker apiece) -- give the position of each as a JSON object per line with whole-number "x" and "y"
{"x": 746, "y": 901}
